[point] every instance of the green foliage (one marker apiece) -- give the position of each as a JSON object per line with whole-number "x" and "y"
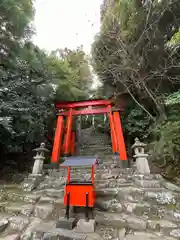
{"x": 77, "y": 76}
{"x": 26, "y": 97}
{"x": 131, "y": 52}
{"x": 166, "y": 148}
{"x": 15, "y": 25}
{"x": 173, "y": 99}
{"x": 136, "y": 53}
{"x": 175, "y": 40}
{"x": 136, "y": 123}
{"x": 31, "y": 80}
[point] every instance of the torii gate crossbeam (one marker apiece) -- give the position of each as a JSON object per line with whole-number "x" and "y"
{"x": 70, "y": 109}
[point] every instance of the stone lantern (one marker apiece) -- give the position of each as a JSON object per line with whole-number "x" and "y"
{"x": 39, "y": 159}
{"x": 140, "y": 157}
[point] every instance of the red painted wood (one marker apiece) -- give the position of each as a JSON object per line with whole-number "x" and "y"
{"x": 83, "y": 104}
{"x": 67, "y": 140}
{"x": 72, "y": 150}
{"x": 78, "y": 195}
{"x": 119, "y": 135}
{"x": 86, "y": 111}
{"x": 113, "y": 133}
{"x": 57, "y": 141}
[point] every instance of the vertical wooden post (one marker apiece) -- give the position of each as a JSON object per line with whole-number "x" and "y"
{"x": 113, "y": 132}
{"x": 67, "y": 139}
{"x": 57, "y": 141}
{"x": 73, "y": 136}
{"x": 120, "y": 138}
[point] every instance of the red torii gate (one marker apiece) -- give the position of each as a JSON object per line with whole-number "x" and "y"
{"x": 70, "y": 109}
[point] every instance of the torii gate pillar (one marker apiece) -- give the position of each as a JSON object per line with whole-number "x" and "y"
{"x": 68, "y": 109}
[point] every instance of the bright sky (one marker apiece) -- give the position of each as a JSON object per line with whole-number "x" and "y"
{"x": 66, "y": 23}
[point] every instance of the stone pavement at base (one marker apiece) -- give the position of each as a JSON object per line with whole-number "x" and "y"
{"x": 129, "y": 206}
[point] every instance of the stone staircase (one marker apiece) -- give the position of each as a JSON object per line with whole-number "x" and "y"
{"x": 95, "y": 143}
{"x": 128, "y": 205}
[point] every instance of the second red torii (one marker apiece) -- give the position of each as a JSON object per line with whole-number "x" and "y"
{"x": 70, "y": 109}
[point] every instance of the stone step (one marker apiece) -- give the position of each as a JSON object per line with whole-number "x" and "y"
{"x": 147, "y": 177}
{"x": 103, "y": 192}
{"x": 138, "y": 223}
{"x": 147, "y": 235}
{"x": 159, "y": 196}
{"x": 52, "y": 182}
{"x": 20, "y": 196}
{"x": 138, "y": 209}
{"x": 56, "y": 173}
{"x": 170, "y": 214}
{"x": 93, "y": 152}
{"x": 44, "y": 210}
{"x": 18, "y": 208}
{"x": 9, "y": 187}
{"x": 110, "y": 205}
{"x": 100, "y": 155}
{"x": 120, "y": 220}
{"x": 48, "y": 230}
{"x": 148, "y": 183}
{"x": 50, "y": 192}
{"x": 96, "y": 146}
{"x": 99, "y": 152}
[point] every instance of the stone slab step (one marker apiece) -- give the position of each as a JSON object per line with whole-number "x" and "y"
{"x": 18, "y": 223}
{"x": 100, "y": 192}
{"x": 46, "y": 199}
{"x": 15, "y": 225}
{"x": 43, "y": 210}
{"x": 10, "y": 237}
{"x": 110, "y": 205}
{"x": 20, "y": 196}
{"x": 48, "y": 231}
{"x": 147, "y": 236}
{"x": 120, "y": 220}
{"x": 147, "y": 177}
{"x": 137, "y": 208}
{"x": 147, "y": 183}
{"x": 140, "y": 209}
{"x": 55, "y": 192}
{"x": 55, "y": 183}
{"x": 9, "y": 187}
{"x": 50, "y": 192}
{"x": 172, "y": 214}
{"x": 18, "y": 208}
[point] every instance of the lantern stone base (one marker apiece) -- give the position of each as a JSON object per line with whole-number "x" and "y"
{"x": 38, "y": 166}
{"x": 66, "y": 223}
{"x": 142, "y": 164}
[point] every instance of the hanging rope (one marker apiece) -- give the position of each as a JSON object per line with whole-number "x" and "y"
{"x": 93, "y": 121}
{"x": 105, "y": 117}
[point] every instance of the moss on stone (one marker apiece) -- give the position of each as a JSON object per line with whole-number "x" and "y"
{"x": 171, "y": 206}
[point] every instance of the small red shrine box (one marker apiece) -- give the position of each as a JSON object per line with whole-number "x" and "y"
{"x": 79, "y": 193}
